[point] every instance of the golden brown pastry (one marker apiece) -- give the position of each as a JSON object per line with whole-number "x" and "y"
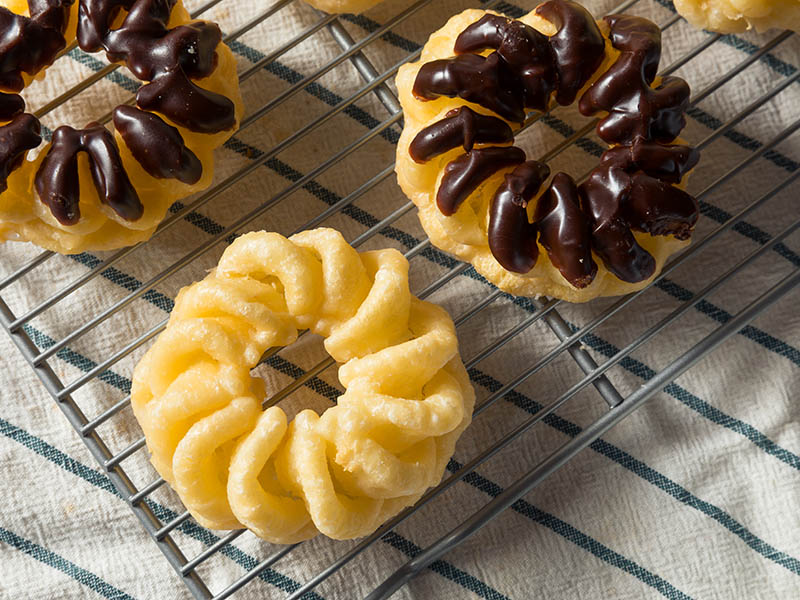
{"x": 733, "y": 16}
{"x": 97, "y": 188}
{"x": 482, "y": 199}
{"x": 343, "y": 473}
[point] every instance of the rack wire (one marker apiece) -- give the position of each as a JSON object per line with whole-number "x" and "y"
{"x": 356, "y": 38}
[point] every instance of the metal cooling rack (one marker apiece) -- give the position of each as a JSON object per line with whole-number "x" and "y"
{"x": 544, "y": 313}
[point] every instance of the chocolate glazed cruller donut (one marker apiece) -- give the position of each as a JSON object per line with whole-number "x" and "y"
{"x": 95, "y": 188}
{"x": 481, "y": 199}
{"x": 387, "y": 439}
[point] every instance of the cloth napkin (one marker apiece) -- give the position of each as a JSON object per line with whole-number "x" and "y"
{"x": 693, "y": 496}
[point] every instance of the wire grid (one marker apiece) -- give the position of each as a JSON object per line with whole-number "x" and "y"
{"x": 355, "y": 40}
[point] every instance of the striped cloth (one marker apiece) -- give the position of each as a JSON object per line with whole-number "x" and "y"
{"x": 694, "y": 496}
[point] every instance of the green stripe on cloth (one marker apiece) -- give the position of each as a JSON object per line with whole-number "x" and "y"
{"x": 712, "y": 312}
{"x": 616, "y": 454}
{"x": 770, "y": 60}
{"x": 636, "y": 466}
{"x": 192, "y": 529}
{"x": 331, "y": 98}
{"x": 577, "y": 537}
{"x": 697, "y": 404}
{"x": 51, "y": 559}
{"x": 69, "y": 464}
{"x": 393, "y": 539}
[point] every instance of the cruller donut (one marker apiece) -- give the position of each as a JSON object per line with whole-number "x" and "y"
{"x": 482, "y": 199}
{"x": 343, "y": 473}
{"x": 731, "y": 16}
{"x": 95, "y": 188}
{"x": 343, "y": 6}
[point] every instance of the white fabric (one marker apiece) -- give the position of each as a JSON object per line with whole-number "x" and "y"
{"x": 695, "y": 494}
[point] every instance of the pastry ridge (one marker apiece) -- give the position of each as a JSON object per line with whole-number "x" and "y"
{"x": 388, "y": 438}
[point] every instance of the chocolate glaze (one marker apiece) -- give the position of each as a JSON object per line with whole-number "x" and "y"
{"x": 143, "y": 40}
{"x": 512, "y": 238}
{"x": 16, "y": 137}
{"x": 526, "y": 66}
{"x": 564, "y": 231}
{"x": 460, "y": 127}
{"x": 668, "y": 163}
{"x": 487, "y": 82}
{"x": 29, "y": 44}
{"x": 173, "y": 94}
{"x": 57, "y": 180}
{"x": 463, "y": 175}
{"x": 578, "y": 46}
{"x": 635, "y": 109}
{"x": 524, "y": 50}
{"x": 157, "y": 146}
{"x": 50, "y": 13}
{"x": 168, "y": 58}
{"x": 631, "y": 190}
{"x": 10, "y": 106}
{"x": 632, "y": 187}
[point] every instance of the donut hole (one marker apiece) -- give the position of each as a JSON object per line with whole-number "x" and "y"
{"x": 279, "y": 371}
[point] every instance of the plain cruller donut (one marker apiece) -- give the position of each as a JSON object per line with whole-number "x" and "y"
{"x": 343, "y": 473}
{"x": 731, "y": 16}
{"x": 481, "y": 198}
{"x": 96, "y": 188}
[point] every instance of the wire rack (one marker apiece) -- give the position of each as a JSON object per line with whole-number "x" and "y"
{"x": 83, "y": 324}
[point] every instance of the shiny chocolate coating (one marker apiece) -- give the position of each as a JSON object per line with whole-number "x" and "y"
{"x": 631, "y": 190}
{"x": 167, "y": 58}
{"x": 558, "y": 222}
{"x": 487, "y": 82}
{"x": 463, "y": 175}
{"x": 512, "y": 238}
{"x": 53, "y": 14}
{"x": 578, "y": 46}
{"x": 564, "y": 231}
{"x": 157, "y": 146}
{"x": 635, "y": 109}
{"x": 18, "y": 136}
{"x": 29, "y": 44}
{"x": 175, "y": 95}
{"x": 10, "y": 106}
{"x": 58, "y": 183}
{"x": 526, "y": 66}
{"x": 524, "y": 50}
{"x": 463, "y": 127}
